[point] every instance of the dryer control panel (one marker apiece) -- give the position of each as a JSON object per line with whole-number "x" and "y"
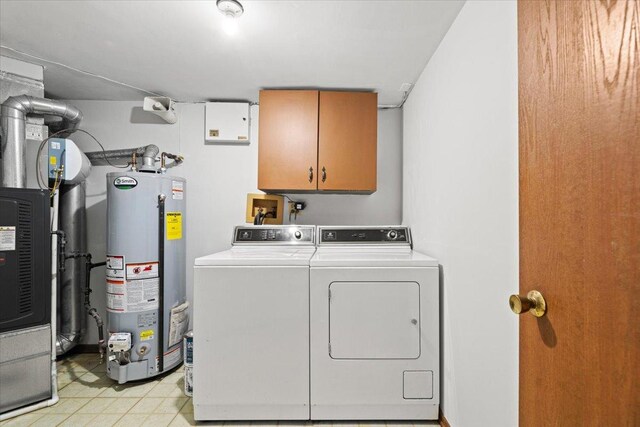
{"x": 282, "y": 235}
{"x": 365, "y": 235}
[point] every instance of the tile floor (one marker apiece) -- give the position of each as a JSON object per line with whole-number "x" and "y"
{"x": 89, "y": 398}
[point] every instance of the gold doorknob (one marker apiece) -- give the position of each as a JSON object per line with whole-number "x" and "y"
{"x": 534, "y": 303}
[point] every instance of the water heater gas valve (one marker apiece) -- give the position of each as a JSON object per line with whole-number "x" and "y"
{"x": 119, "y": 342}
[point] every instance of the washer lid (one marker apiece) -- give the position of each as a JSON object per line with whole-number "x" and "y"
{"x": 259, "y": 256}
{"x": 370, "y": 257}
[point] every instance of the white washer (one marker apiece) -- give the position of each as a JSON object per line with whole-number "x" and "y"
{"x": 251, "y": 326}
{"x": 374, "y": 308}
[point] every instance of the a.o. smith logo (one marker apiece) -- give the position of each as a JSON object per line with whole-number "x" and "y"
{"x": 125, "y": 182}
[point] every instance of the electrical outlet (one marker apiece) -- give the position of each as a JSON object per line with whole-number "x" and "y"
{"x": 295, "y": 208}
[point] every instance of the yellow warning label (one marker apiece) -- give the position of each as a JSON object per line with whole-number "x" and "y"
{"x": 53, "y": 160}
{"x": 146, "y": 335}
{"x": 174, "y": 225}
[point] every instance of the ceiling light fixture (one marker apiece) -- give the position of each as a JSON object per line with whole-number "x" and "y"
{"x": 231, "y": 9}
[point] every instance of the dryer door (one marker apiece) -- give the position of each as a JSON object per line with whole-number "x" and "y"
{"x": 374, "y": 320}
{"x": 369, "y": 359}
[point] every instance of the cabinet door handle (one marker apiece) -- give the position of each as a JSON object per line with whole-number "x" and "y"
{"x": 324, "y": 174}
{"x": 311, "y": 174}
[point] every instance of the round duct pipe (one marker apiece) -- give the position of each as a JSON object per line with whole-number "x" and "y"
{"x": 13, "y": 114}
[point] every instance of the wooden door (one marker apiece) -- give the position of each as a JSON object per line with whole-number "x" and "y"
{"x": 347, "y": 141}
{"x": 288, "y": 135}
{"x": 579, "y": 111}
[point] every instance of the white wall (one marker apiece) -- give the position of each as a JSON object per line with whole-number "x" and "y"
{"x": 219, "y": 178}
{"x": 460, "y": 175}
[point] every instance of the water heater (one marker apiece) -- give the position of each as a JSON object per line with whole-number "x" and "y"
{"x": 145, "y": 274}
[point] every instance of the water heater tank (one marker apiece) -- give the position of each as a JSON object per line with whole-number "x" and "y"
{"x": 145, "y": 274}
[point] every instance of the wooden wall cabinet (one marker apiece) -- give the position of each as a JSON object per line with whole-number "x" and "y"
{"x": 288, "y": 140}
{"x": 313, "y": 140}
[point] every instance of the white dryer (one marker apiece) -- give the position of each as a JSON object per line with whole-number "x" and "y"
{"x": 251, "y": 326}
{"x": 374, "y": 312}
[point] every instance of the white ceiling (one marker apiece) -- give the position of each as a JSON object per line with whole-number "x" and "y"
{"x": 179, "y": 48}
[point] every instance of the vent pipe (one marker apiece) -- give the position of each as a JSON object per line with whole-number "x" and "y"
{"x": 149, "y": 158}
{"x": 13, "y": 114}
{"x": 149, "y": 154}
{"x": 72, "y": 321}
{"x": 103, "y": 158}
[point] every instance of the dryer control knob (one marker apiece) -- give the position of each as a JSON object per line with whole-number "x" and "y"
{"x": 392, "y": 235}
{"x": 297, "y": 235}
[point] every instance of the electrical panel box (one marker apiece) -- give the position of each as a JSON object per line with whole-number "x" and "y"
{"x": 227, "y": 122}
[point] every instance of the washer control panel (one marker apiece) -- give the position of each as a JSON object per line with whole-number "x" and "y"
{"x": 289, "y": 234}
{"x": 365, "y": 235}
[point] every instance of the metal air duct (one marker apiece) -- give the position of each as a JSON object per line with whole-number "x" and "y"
{"x": 72, "y": 320}
{"x": 149, "y": 158}
{"x": 13, "y": 115}
{"x": 149, "y": 153}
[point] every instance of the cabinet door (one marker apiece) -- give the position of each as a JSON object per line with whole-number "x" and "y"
{"x": 347, "y": 141}
{"x": 288, "y": 140}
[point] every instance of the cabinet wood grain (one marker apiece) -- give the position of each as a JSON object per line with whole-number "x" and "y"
{"x": 347, "y": 141}
{"x": 288, "y": 140}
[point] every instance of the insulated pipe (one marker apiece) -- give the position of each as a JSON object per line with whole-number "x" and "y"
{"x": 13, "y": 114}
{"x": 102, "y": 158}
{"x": 71, "y": 313}
{"x": 149, "y": 153}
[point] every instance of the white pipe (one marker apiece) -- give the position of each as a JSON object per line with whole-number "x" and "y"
{"x": 54, "y": 278}
{"x": 30, "y": 408}
{"x": 54, "y": 297}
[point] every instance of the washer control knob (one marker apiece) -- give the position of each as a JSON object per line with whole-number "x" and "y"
{"x": 297, "y": 235}
{"x": 392, "y": 235}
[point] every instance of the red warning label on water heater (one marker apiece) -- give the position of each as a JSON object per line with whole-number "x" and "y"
{"x": 142, "y": 271}
{"x": 140, "y": 291}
